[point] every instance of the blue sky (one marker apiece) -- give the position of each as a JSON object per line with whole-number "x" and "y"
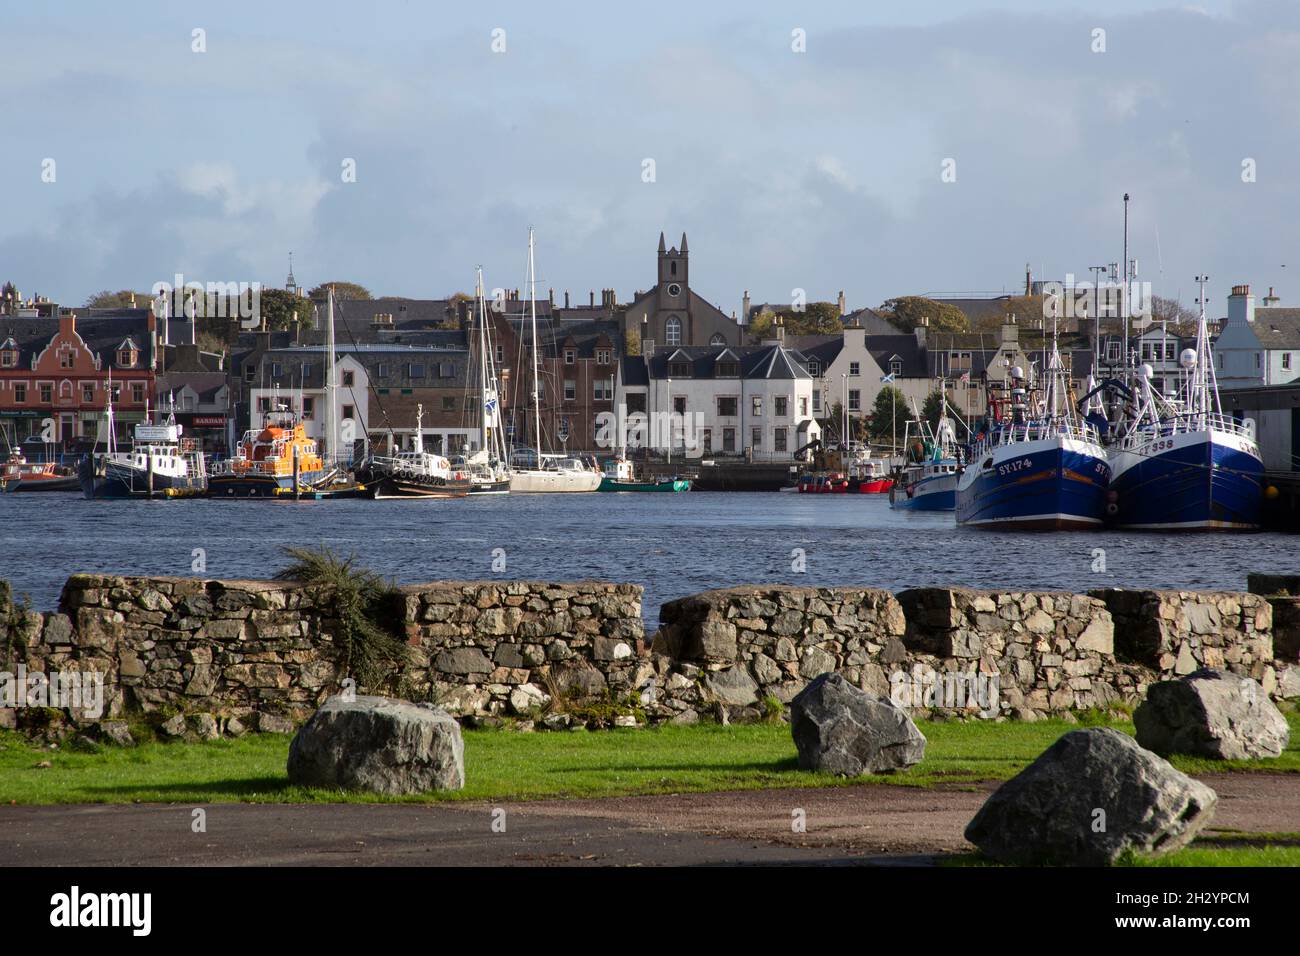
{"x": 817, "y": 170}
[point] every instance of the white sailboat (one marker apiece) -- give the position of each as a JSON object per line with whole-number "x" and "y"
{"x": 488, "y": 468}
{"x": 550, "y": 473}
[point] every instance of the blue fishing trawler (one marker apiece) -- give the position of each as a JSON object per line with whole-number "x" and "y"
{"x": 928, "y": 481}
{"x": 1038, "y": 465}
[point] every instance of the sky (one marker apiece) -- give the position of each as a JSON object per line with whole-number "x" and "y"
{"x": 821, "y": 169}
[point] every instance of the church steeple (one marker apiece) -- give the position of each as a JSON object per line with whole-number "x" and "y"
{"x": 684, "y": 250}
{"x": 291, "y": 284}
{"x": 663, "y": 246}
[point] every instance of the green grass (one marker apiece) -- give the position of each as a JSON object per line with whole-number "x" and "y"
{"x": 1211, "y": 848}
{"x": 501, "y": 764}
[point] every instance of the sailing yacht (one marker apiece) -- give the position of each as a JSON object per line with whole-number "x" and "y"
{"x": 1181, "y": 464}
{"x": 487, "y": 469}
{"x": 1038, "y": 465}
{"x": 547, "y": 473}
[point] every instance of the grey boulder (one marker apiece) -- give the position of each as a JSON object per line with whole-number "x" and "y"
{"x": 1211, "y": 713}
{"x": 1089, "y": 798}
{"x": 378, "y": 744}
{"x": 838, "y": 728}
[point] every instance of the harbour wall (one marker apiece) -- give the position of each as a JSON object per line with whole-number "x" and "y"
{"x": 556, "y": 654}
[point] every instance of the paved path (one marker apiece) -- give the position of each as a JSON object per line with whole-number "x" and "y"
{"x": 847, "y": 825}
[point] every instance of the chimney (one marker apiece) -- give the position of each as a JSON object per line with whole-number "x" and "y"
{"x": 1241, "y": 305}
{"x": 744, "y": 309}
{"x": 1270, "y": 300}
{"x": 566, "y": 298}
{"x": 843, "y": 305}
{"x": 132, "y": 300}
{"x": 551, "y": 296}
{"x": 593, "y": 298}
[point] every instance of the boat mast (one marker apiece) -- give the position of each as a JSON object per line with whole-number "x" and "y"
{"x": 482, "y": 361}
{"x": 532, "y": 307}
{"x": 1125, "y": 291}
{"x": 330, "y": 423}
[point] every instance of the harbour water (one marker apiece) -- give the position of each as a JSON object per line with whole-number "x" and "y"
{"x": 673, "y": 544}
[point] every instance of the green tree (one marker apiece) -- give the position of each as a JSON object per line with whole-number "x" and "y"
{"x": 890, "y": 406}
{"x": 817, "y": 318}
{"x": 342, "y": 290}
{"x": 632, "y": 342}
{"x": 119, "y": 300}
{"x": 906, "y": 313}
{"x": 932, "y": 410}
{"x": 279, "y": 307}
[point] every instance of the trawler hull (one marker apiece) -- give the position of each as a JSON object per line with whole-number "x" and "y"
{"x": 1046, "y": 484}
{"x": 1190, "y": 481}
{"x": 496, "y": 486}
{"x": 935, "y": 493}
{"x": 389, "y": 487}
{"x": 111, "y": 479}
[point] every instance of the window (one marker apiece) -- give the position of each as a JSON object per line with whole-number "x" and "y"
{"x": 20, "y": 393}
{"x": 381, "y": 371}
{"x": 348, "y": 411}
{"x": 855, "y": 368}
{"x": 756, "y": 438}
{"x": 415, "y": 370}
{"x": 855, "y": 400}
{"x": 603, "y": 390}
{"x": 125, "y": 359}
{"x": 276, "y": 370}
{"x": 8, "y": 359}
{"x": 602, "y": 356}
{"x": 779, "y": 406}
{"x": 636, "y": 402}
{"x": 308, "y": 407}
{"x": 1256, "y": 360}
{"x": 708, "y": 441}
{"x": 727, "y": 369}
{"x": 570, "y": 390}
{"x": 47, "y": 394}
{"x": 1112, "y": 351}
{"x": 814, "y": 369}
{"x": 673, "y": 331}
{"x": 501, "y": 355}
{"x": 250, "y": 373}
{"x": 817, "y": 404}
{"x": 896, "y": 367}
{"x": 680, "y": 370}
{"x": 449, "y": 403}
{"x": 263, "y": 405}
{"x": 570, "y": 356}
{"x": 88, "y": 393}
{"x": 778, "y": 440}
{"x": 717, "y": 339}
{"x": 727, "y": 407}
{"x": 1286, "y": 359}
{"x": 137, "y": 392}
{"x": 803, "y": 408}
{"x": 347, "y": 379}
{"x": 65, "y": 360}
{"x": 446, "y": 369}
{"x": 757, "y": 407}
{"x": 728, "y": 440}
{"x": 958, "y": 361}
{"x": 679, "y": 404}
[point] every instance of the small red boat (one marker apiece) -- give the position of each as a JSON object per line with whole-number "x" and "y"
{"x": 870, "y": 476}
{"x": 17, "y": 474}
{"x": 820, "y": 483}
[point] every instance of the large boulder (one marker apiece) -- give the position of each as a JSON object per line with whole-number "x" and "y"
{"x": 378, "y": 744}
{"x": 1087, "y": 799}
{"x": 1211, "y": 713}
{"x": 840, "y": 729}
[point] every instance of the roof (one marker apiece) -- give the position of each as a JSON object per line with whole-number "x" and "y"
{"x": 103, "y": 330}
{"x": 1278, "y": 328}
{"x": 303, "y": 366}
{"x": 901, "y": 347}
{"x": 765, "y": 361}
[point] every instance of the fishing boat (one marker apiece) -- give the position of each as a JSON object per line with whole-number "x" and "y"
{"x": 869, "y": 476}
{"x": 412, "y": 474}
{"x": 1038, "y": 464}
{"x": 160, "y": 464}
{"x": 18, "y": 474}
{"x": 538, "y": 472}
{"x": 823, "y": 483}
{"x": 271, "y": 461}
{"x": 928, "y": 480}
{"x": 620, "y": 475}
{"x": 1180, "y": 464}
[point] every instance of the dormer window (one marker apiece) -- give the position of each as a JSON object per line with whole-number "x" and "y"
{"x": 728, "y": 369}
{"x": 679, "y": 370}
{"x": 126, "y": 357}
{"x": 66, "y": 358}
{"x": 9, "y": 354}
{"x": 896, "y": 367}
{"x": 570, "y": 356}
{"x": 602, "y": 356}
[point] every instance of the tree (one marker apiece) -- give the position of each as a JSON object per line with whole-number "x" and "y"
{"x": 889, "y": 415}
{"x": 342, "y": 290}
{"x": 632, "y": 342}
{"x": 906, "y": 313}
{"x": 1027, "y": 309}
{"x": 119, "y": 300}
{"x": 1181, "y": 320}
{"x": 817, "y": 318}
{"x": 279, "y": 307}
{"x": 932, "y": 410}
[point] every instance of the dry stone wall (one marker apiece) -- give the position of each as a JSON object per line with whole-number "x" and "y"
{"x": 557, "y": 654}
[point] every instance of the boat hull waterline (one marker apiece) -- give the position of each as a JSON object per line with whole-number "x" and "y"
{"x": 1047, "y": 484}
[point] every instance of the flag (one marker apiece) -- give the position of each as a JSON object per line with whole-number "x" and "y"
{"x": 886, "y": 379}
{"x": 965, "y": 378}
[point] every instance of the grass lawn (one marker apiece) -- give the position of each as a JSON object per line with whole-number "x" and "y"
{"x": 504, "y": 765}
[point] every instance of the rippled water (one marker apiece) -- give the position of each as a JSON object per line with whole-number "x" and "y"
{"x": 672, "y": 544}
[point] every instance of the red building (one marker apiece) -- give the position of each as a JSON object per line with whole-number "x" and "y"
{"x": 54, "y": 376}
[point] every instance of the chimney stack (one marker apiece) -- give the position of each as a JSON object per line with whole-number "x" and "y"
{"x": 1241, "y": 305}
{"x": 593, "y": 298}
{"x": 566, "y": 298}
{"x": 843, "y": 305}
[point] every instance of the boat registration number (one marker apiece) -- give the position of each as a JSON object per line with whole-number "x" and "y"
{"x": 1012, "y": 467}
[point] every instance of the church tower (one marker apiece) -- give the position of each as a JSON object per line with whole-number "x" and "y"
{"x": 674, "y": 283}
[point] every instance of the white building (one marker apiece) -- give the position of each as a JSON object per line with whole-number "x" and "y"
{"x": 1257, "y": 346}
{"x": 754, "y": 401}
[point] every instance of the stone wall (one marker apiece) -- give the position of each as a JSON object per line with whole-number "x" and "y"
{"x": 490, "y": 649}
{"x": 1174, "y": 633}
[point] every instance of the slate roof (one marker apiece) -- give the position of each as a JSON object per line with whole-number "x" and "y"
{"x": 884, "y": 348}
{"x": 766, "y": 361}
{"x": 1278, "y": 328}
{"x": 635, "y": 372}
{"x": 103, "y": 330}
{"x": 443, "y": 368}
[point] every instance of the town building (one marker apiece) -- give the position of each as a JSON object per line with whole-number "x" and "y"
{"x": 55, "y": 372}
{"x": 1257, "y": 346}
{"x": 671, "y": 313}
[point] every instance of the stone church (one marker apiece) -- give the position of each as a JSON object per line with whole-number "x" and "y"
{"x": 671, "y": 314}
